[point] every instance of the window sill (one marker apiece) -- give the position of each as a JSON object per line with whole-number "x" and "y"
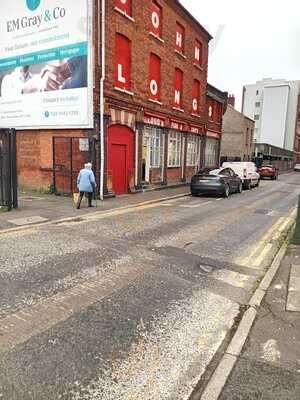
{"x": 178, "y": 109}
{"x": 123, "y": 91}
{"x": 180, "y": 54}
{"x": 157, "y": 37}
{"x": 156, "y": 102}
{"x": 174, "y": 166}
{"x": 117, "y": 9}
{"x": 198, "y": 66}
{"x": 195, "y": 115}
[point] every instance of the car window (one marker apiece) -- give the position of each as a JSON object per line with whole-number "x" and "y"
{"x": 224, "y": 172}
{"x": 231, "y": 172}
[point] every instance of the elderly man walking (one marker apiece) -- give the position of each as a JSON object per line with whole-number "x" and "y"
{"x": 86, "y": 183}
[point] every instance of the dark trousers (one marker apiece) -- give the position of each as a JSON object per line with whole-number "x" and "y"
{"x": 89, "y": 195}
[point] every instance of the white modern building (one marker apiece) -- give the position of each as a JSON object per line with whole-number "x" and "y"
{"x": 273, "y": 105}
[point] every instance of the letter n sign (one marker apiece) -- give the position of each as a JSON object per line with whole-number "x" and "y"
{"x": 196, "y": 96}
{"x": 156, "y": 19}
{"x": 154, "y": 77}
{"x": 123, "y": 63}
{"x": 178, "y": 82}
{"x": 124, "y": 5}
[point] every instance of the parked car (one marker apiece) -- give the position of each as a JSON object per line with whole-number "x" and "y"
{"x": 297, "y": 167}
{"x": 222, "y": 181}
{"x": 268, "y": 171}
{"x": 247, "y": 171}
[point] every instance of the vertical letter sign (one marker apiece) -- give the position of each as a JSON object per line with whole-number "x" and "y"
{"x": 178, "y": 79}
{"x": 154, "y": 77}
{"x": 123, "y": 62}
{"x": 196, "y": 96}
{"x": 156, "y": 19}
{"x": 198, "y": 52}
{"x": 180, "y": 37}
{"x": 124, "y": 5}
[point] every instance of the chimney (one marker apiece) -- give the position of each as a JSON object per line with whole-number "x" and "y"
{"x": 231, "y": 100}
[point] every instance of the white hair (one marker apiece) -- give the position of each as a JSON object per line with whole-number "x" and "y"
{"x": 88, "y": 165}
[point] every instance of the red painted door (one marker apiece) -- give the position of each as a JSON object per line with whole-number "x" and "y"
{"x": 120, "y": 156}
{"x": 118, "y": 166}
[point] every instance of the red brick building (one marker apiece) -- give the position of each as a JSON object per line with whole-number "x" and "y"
{"x": 157, "y": 107}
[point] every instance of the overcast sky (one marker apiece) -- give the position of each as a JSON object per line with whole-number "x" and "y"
{"x": 254, "y": 39}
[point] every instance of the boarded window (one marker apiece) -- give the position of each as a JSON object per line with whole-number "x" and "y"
{"x": 156, "y": 19}
{"x": 178, "y": 88}
{"x": 154, "y": 77}
{"x": 124, "y": 6}
{"x": 180, "y": 38}
{"x": 123, "y": 62}
{"x": 196, "y": 97}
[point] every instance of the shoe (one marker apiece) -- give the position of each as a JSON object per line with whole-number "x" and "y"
{"x": 91, "y": 206}
{"x": 78, "y": 207}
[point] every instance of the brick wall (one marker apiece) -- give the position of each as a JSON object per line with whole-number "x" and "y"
{"x": 143, "y": 44}
{"x": 235, "y": 142}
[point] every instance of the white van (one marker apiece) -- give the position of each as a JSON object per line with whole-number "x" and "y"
{"x": 247, "y": 171}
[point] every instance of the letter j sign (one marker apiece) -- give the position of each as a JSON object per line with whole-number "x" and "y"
{"x": 33, "y": 4}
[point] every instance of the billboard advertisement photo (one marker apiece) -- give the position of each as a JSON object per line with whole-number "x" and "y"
{"x": 46, "y": 64}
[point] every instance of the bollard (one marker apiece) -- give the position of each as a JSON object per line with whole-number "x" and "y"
{"x": 296, "y": 238}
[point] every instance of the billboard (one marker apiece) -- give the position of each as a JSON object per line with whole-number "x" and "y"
{"x": 46, "y": 72}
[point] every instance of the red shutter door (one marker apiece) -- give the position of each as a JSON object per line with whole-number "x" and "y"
{"x": 196, "y": 96}
{"x": 198, "y": 52}
{"x": 123, "y": 63}
{"x": 124, "y": 5}
{"x": 178, "y": 81}
{"x": 156, "y": 19}
{"x": 180, "y": 38}
{"x": 154, "y": 77}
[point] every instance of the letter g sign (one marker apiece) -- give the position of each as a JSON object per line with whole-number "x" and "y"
{"x": 33, "y": 4}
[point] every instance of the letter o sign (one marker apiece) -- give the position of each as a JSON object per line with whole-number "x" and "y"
{"x": 123, "y": 1}
{"x": 155, "y": 19}
{"x": 195, "y": 105}
{"x": 153, "y": 87}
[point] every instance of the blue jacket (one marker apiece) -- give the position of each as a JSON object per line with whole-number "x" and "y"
{"x": 86, "y": 181}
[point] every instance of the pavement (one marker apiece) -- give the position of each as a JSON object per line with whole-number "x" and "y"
{"x": 269, "y": 366}
{"x": 35, "y": 207}
{"x": 137, "y": 302}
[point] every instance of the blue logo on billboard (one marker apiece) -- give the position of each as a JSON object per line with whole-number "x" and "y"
{"x": 33, "y": 4}
{"x": 47, "y": 114}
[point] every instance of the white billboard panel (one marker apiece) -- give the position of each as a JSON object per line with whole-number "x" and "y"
{"x": 46, "y": 64}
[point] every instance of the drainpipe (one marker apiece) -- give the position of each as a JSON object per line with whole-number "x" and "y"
{"x": 102, "y": 99}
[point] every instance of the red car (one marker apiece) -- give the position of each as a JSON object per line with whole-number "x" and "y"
{"x": 268, "y": 171}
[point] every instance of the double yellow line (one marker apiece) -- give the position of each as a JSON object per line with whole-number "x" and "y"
{"x": 260, "y": 252}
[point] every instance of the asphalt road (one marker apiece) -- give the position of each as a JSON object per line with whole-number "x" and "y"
{"x": 132, "y": 305}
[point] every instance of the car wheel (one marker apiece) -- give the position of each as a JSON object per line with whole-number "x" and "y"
{"x": 248, "y": 185}
{"x": 258, "y": 183}
{"x": 226, "y": 191}
{"x": 240, "y": 188}
{"x": 193, "y": 193}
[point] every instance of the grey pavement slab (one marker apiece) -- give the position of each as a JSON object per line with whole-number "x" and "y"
{"x": 269, "y": 366}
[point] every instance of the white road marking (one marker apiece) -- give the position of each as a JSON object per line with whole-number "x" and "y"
{"x": 196, "y": 205}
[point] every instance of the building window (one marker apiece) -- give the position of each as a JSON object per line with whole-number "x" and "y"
{"x": 123, "y": 63}
{"x": 156, "y": 19}
{"x": 178, "y": 86}
{"x": 192, "y": 156}
{"x": 198, "y": 53}
{"x": 154, "y": 77}
{"x": 174, "y": 150}
{"x": 156, "y": 146}
{"x": 180, "y": 38}
{"x": 257, "y": 104}
{"x": 196, "y": 96}
{"x": 124, "y": 6}
{"x": 256, "y": 117}
{"x": 211, "y": 152}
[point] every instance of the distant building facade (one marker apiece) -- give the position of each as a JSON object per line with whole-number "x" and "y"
{"x": 237, "y": 136}
{"x": 273, "y": 106}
